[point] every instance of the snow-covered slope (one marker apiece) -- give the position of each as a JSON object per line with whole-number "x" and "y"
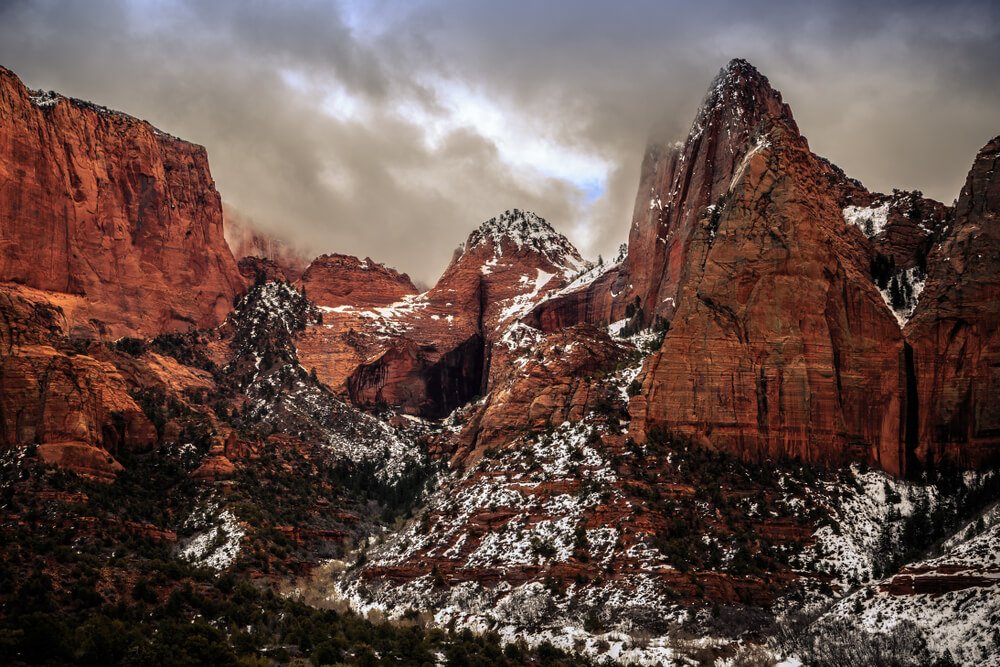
{"x": 283, "y": 397}
{"x": 953, "y": 597}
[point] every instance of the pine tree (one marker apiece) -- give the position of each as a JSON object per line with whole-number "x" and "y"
{"x": 896, "y": 296}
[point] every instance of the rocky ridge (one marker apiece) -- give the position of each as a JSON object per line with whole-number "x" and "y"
{"x": 429, "y": 353}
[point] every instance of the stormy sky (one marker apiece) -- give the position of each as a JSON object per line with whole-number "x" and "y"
{"x": 391, "y": 129}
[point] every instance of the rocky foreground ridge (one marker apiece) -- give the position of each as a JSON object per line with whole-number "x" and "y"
{"x": 763, "y": 413}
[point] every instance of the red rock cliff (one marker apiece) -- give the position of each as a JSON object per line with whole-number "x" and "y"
{"x": 955, "y": 331}
{"x": 337, "y": 280}
{"x": 98, "y": 204}
{"x": 780, "y": 346}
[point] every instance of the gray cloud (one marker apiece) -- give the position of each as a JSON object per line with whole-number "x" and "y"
{"x": 355, "y": 127}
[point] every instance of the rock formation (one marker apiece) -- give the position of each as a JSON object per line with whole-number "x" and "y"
{"x": 953, "y": 358}
{"x": 539, "y": 381}
{"x": 430, "y": 353}
{"x": 779, "y": 344}
{"x": 105, "y": 208}
{"x": 76, "y": 409}
{"x": 342, "y": 280}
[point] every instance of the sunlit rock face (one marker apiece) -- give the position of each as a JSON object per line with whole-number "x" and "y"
{"x": 122, "y": 218}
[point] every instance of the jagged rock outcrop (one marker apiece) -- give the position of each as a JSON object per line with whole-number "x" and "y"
{"x": 76, "y": 409}
{"x": 103, "y": 207}
{"x": 680, "y": 180}
{"x": 539, "y": 381}
{"x": 82, "y": 458}
{"x": 954, "y": 364}
{"x": 505, "y": 266}
{"x": 779, "y": 346}
{"x": 52, "y": 397}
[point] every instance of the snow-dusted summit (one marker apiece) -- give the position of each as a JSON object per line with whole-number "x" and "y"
{"x": 526, "y": 230}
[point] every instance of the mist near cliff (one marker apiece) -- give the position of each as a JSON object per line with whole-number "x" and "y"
{"x": 392, "y": 129}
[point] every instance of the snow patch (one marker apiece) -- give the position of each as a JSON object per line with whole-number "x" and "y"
{"x": 869, "y": 219}
{"x": 218, "y": 546}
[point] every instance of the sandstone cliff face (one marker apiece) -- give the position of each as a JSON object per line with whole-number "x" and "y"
{"x": 678, "y": 181}
{"x": 594, "y": 301}
{"x": 99, "y": 204}
{"x": 75, "y": 408}
{"x": 338, "y": 280}
{"x": 779, "y": 344}
{"x": 955, "y": 356}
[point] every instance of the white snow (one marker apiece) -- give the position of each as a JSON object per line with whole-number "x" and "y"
{"x": 525, "y": 229}
{"x": 218, "y": 546}
{"x": 912, "y": 280}
{"x": 869, "y": 219}
{"x": 849, "y": 551}
{"x": 962, "y": 622}
{"x": 44, "y": 99}
{"x": 760, "y": 144}
{"x": 519, "y": 305}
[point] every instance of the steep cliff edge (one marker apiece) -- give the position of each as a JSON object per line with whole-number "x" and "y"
{"x": 679, "y": 180}
{"x": 954, "y": 330}
{"x": 100, "y": 205}
{"x": 779, "y": 345}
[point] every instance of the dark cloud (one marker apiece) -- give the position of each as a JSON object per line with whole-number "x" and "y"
{"x": 391, "y": 129}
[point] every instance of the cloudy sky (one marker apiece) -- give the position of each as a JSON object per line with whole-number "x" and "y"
{"x": 391, "y": 129}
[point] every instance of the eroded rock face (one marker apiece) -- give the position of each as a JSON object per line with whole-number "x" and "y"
{"x": 75, "y": 408}
{"x": 955, "y": 364}
{"x": 779, "y": 346}
{"x": 101, "y": 205}
{"x": 539, "y": 381}
{"x": 338, "y": 280}
{"x": 679, "y": 180}
{"x": 593, "y": 302}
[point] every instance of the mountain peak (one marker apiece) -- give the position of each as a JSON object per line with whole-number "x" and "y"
{"x": 739, "y": 98}
{"x": 524, "y": 229}
{"x": 737, "y": 74}
{"x": 741, "y": 65}
{"x": 513, "y": 224}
